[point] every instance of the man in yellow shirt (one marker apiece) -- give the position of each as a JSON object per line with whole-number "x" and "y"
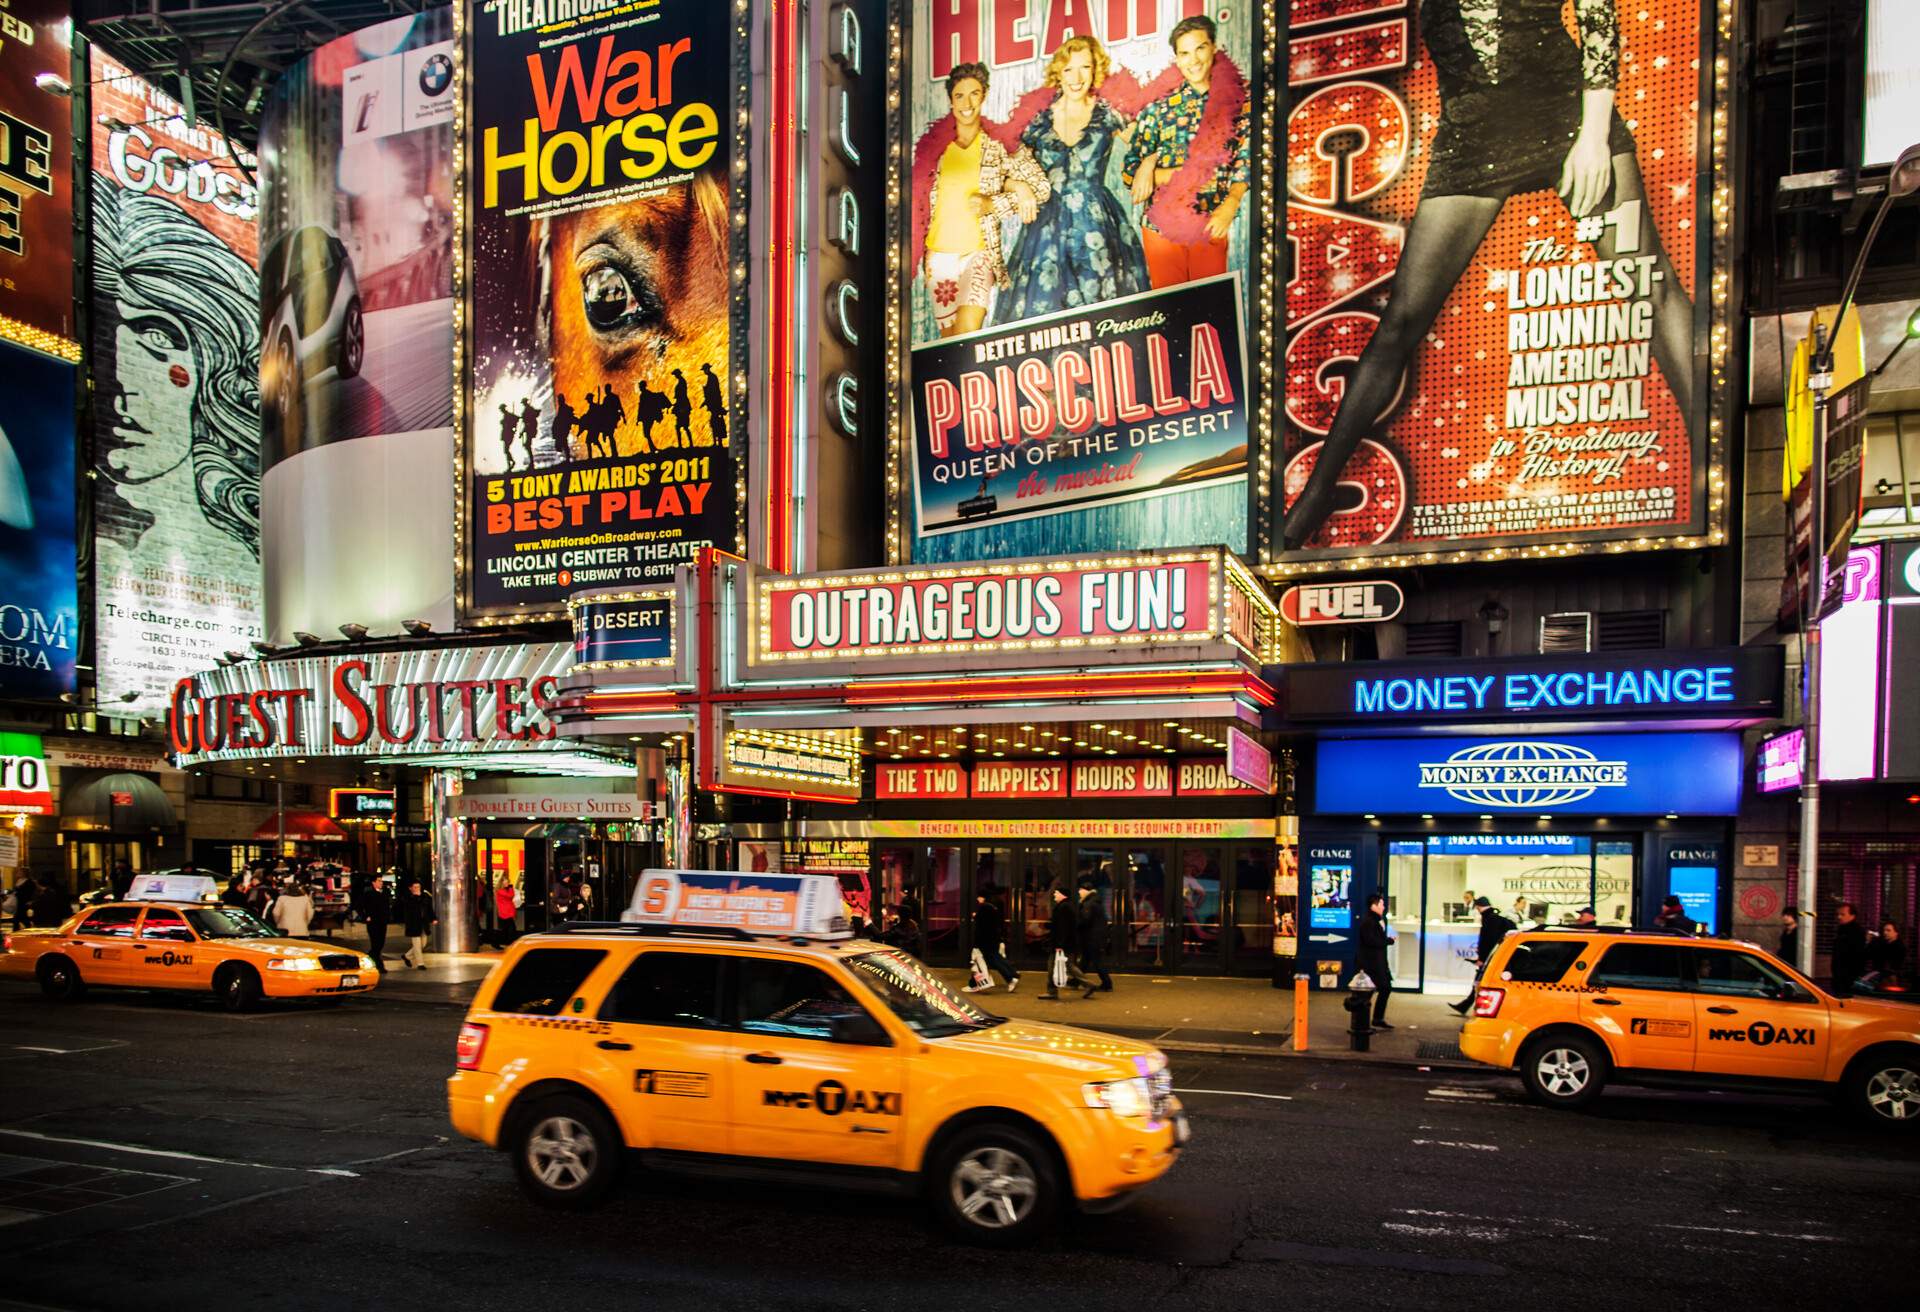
{"x": 976, "y": 185}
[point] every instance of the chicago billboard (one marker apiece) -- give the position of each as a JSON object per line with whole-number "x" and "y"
{"x": 1497, "y": 225}
{"x": 356, "y": 329}
{"x": 176, "y": 366}
{"x": 1079, "y": 256}
{"x": 599, "y": 448}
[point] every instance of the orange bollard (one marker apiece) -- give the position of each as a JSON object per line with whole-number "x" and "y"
{"x": 1299, "y": 1013}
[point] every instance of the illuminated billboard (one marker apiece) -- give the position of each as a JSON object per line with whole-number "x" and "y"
{"x": 1493, "y": 323}
{"x": 600, "y": 443}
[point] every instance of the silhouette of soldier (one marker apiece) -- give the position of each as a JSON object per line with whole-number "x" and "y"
{"x": 715, "y": 403}
{"x": 529, "y": 426}
{"x": 683, "y": 411}
{"x": 508, "y": 422}
{"x": 648, "y": 408}
{"x": 563, "y": 420}
{"x": 613, "y": 413}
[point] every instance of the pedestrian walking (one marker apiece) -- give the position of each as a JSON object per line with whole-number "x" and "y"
{"x": 1493, "y": 928}
{"x": 1062, "y": 931}
{"x": 1093, "y": 939}
{"x": 1374, "y": 941}
{"x": 506, "y": 905}
{"x": 1790, "y": 937}
{"x": 292, "y": 910}
{"x": 376, "y": 912}
{"x": 236, "y": 892}
{"x": 1849, "y": 948}
{"x": 1673, "y": 916}
{"x": 417, "y": 919}
{"x": 50, "y": 904}
{"x": 16, "y": 906}
{"x": 120, "y": 880}
{"x": 989, "y": 940}
{"x": 1887, "y": 952}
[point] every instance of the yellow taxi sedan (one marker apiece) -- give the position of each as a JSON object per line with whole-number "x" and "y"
{"x": 191, "y": 947}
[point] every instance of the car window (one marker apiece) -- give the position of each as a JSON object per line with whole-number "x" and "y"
{"x": 1640, "y": 966}
{"x": 166, "y": 924}
{"x": 918, "y": 997}
{"x": 229, "y": 922}
{"x": 791, "y": 999}
{"x": 110, "y": 922}
{"x": 668, "y": 988}
{"x": 1727, "y": 973}
{"x": 1542, "y": 961}
{"x": 542, "y": 980}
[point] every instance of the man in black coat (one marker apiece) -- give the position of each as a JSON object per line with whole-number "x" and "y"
{"x": 1373, "y": 955}
{"x": 1062, "y": 931}
{"x": 51, "y": 906}
{"x": 1093, "y": 939}
{"x": 1493, "y": 928}
{"x": 376, "y": 910}
{"x": 1849, "y": 949}
{"x": 990, "y": 936}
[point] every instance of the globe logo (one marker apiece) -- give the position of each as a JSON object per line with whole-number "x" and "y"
{"x": 1525, "y": 775}
{"x": 435, "y": 75}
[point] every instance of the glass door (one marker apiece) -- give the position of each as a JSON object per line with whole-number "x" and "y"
{"x": 896, "y": 919}
{"x": 1041, "y": 871}
{"x": 1139, "y": 934}
{"x": 1404, "y": 889}
{"x": 1613, "y": 880}
{"x": 1250, "y": 943}
{"x": 996, "y": 878}
{"x": 1203, "y": 939}
{"x": 943, "y": 909}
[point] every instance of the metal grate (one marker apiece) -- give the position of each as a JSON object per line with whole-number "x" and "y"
{"x": 1439, "y": 1050}
{"x": 1569, "y": 630}
{"x": 1434, "y": 638}
{"x": 1631, "y": 630}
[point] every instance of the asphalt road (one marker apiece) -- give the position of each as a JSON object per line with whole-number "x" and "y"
{"x": 184, "y": 1157}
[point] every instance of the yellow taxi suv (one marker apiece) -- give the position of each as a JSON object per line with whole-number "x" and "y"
{"x": 1572, "y": 1011}
{"x": 732, "y": 1026}
{"x": 184, "y": 944}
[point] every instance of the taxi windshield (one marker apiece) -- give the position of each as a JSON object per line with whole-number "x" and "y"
{"x": 928, "y": 1007}
{"x": 228, "y": 922}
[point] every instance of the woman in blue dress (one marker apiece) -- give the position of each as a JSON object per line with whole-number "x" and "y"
{"x": 1082, "y": 247}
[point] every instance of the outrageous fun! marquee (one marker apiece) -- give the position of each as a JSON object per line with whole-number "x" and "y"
{"x": 1494, "y": 315}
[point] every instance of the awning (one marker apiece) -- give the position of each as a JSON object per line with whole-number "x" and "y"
{"x": 120, "y": 802}
{"x": 301, "y": 827}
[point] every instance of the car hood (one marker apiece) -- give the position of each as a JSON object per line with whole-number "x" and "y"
{"x": 1064, "y": 1047}
{"x": 285, "y": 947}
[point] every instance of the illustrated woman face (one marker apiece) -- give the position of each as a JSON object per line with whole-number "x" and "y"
{"x": 1193, "y": 54}
{"x": 966, "y": 96}
{"x": 154, "y": 394}
{"x": 1076, "y": 79}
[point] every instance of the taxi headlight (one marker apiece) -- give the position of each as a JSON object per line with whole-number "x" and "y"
{"x": 366, "y": 963}
{"x": 293, "y": 963}
{"x": 1121, "y": 1097}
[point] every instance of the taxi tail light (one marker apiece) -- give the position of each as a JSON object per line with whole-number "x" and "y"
{"x": 1486, "y": 1002}
{"x": 469, "y": 1047}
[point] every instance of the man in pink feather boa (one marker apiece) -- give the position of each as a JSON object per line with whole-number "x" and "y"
{"x": 1187, "y": 163}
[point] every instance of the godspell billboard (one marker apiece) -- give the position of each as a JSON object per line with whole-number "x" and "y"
{"x": 600, "y": 446}
{"x": 1493, "y": 324}
{"x": 1081, "y": 269}
{"x": 176, "y": 366}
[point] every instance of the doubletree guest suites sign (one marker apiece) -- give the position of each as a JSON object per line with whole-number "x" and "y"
{"x": 461, "y": 699}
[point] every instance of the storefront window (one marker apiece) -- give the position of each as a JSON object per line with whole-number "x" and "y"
{"x": 1613, "y": 881}
{"x": 942, "y": 919}
{"x": 1040, "y": 874}
{"x": 1253, "y": 907}
{"x": 1145, "y": 907}
{"x": 1406, "y": 872}
{"x": 1200, "y": 902}
{"x": 1531, "y": 879}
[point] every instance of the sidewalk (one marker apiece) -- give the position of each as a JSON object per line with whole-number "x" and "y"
{"x": 1192, "y": 1014}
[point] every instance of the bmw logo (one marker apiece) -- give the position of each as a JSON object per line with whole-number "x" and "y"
{"x": 436, "y": 75}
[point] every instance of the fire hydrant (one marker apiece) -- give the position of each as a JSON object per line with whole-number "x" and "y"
{"x": 1359, "y": 1004}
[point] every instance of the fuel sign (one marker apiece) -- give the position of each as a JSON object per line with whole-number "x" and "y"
{"x": 1362, "y": 602}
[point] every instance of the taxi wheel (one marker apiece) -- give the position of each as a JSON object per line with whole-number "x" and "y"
{"x": 1884, "y": 1089}
{"x": 1564, "y": 1070}
{"x": 60, "y": 980}
{"x": 239, "y": 988}
{"x": 996, "y": 1185}
{"x": 566, "y": 1152}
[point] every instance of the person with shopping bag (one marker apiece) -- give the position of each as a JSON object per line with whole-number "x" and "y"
{"x": 1062, "y": 934}
{"x": 989, "y": 945}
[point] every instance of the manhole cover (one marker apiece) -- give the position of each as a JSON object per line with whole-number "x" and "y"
{"x": 1439, "y": 1050}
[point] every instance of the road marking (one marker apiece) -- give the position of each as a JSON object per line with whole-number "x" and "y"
{"x": 1564, "y": 1229}
{"x": 1241, "y": 1093}
{"x": 1452, "y": 1143}
{"x": 1444, "y": 1231}
{"x": 1471, "y": 1095}
{"x": 178, "y": 1156}
{"x": 1752, "y": 1234}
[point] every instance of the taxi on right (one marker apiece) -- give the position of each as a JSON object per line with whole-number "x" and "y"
{"x": 732, "y": 1026}
{"x": 1574, "y": 1010}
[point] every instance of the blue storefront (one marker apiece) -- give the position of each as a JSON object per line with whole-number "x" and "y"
{"x": 1544, "y": 784}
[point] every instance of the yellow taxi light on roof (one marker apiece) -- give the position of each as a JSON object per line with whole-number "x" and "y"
{"x": 808, "y": 905}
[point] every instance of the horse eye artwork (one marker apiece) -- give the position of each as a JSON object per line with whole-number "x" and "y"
{"x": 610, "y": 301}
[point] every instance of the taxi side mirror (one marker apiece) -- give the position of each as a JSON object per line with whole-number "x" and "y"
{"x": 861, "y": 1029}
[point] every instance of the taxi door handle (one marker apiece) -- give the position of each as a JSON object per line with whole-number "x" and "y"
{"x": 1606, "y": 1002}
{"x": 763, "y": 1058}
{"x": 1724, "y": 1011}
{"x": 614, "y": 1045}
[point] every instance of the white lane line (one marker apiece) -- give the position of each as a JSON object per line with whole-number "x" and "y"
{"x": 1469, "y": 1095}
{"x": 1752, "y": 1234}
{"x": 178, "y": 1156}
{"x": 1240, "y": 1093}
{"x": 1444, "y": 1231}
{"x": 1452, "y": 1143}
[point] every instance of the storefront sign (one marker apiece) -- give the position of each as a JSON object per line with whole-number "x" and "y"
{"x": 920, "y": 781}
{"x": 1693, "y": 876}
{"x": 1779, "y": 764}
{"x": 550, "y": 806}
{"x": 24, "y": 786}
{"x": 434, "y": 701}
{"x": 1123, "y": 778}
{"x": 790, "y": 765}
{"x": 1208, "y": 776}
{"x": 1597, "y": 774}
{"x": 69, "y": 759}
{"x": 1373, "y": 601}
{"x": 10, "y": 847}
{"x": 1330, "y": 883}
{"x": 622, "y": 630}
{"x": 1247, "y": 760}
{"x": 362, "y": 803}
{"x": 1731, "y": 682}
{"x": 1198, "y": 830}
{"x": 1017, "y": 607}
{"x": 1020, "y": 779}
{"x": 1760, "y": 856}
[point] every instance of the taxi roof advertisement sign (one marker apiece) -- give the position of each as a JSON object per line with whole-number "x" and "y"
{"x": 756, "y": 903}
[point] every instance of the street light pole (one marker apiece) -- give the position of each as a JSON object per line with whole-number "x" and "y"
{"x": 1903, "y": 179}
